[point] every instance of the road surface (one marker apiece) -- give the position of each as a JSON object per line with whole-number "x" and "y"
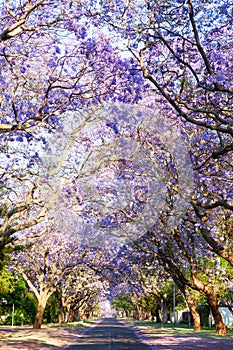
{"x": 110, "y": 334}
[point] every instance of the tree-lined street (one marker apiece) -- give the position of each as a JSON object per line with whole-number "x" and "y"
{"x": 109, "y": 334}
{"x": 116, "y": 141}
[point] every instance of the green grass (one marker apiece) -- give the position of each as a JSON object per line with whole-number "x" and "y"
{"x": 156, "y": 329}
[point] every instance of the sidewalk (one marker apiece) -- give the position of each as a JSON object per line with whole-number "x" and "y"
{"x": 179, "y": 339}
{"x": 49, "y": 337}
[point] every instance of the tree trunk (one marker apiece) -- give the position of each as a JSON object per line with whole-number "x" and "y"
{"x": 192, "y": 304}
{"x": 71, "y": 317}
{"x": 39, "y": 315}
{"x": 140, "y": 313}
{"x": 148, "y": 315}
{"x": 158, "y": 316}
{"x": 212, "y": 298}
{"x": 164, "y": 313}
{"x": 40, "y": 310}
{"x": 61, "y": 317}
{"x": 221, "y": 328}
{"x": 67, "y": 313}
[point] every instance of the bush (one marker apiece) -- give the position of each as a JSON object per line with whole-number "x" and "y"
{"x": 18, "y": 318}
{"x": 51, "y": 311}
{"x": 25, "y": 311}
{"x": 29, "y": 308}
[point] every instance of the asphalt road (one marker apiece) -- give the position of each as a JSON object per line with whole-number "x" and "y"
{"x": 110, "y": 334}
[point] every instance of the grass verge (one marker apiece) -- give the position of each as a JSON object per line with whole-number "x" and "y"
{"x": 156, "y": 329}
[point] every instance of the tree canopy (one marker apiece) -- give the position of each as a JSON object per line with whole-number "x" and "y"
{"x": 116, "y": 128}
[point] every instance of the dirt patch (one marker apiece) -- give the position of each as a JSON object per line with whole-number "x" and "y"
{"x": 157, "y": 341}
{"x": 185, "y": 343}
{"x": 49, "y": 338}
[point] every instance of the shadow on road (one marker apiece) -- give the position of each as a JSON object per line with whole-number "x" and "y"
{"x": 110, "y": 334}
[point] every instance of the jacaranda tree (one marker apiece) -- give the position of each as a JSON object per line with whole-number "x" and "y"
{"x": 120, "y": 172}
{"x": 184, "y": 50}
{"x": 50, "y": 263}
{"x": 52, "y": 63}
